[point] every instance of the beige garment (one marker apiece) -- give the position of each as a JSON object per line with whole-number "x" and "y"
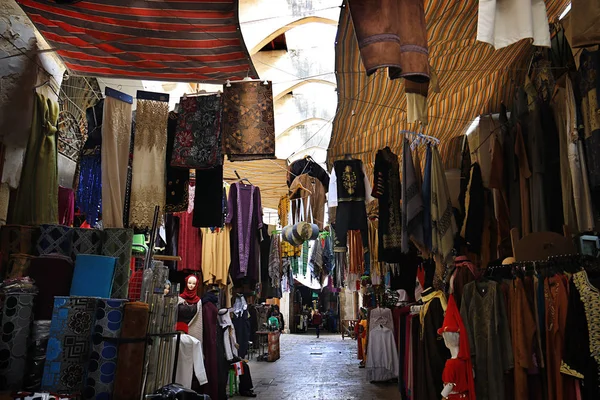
{"x": 216, "y": 255}
{"x": 581, "y": 188}
{"x": 116, "y": 136}
{"x": 148, "y": 188}
{"x": 4, "y": 200}
{"x": 195, "y": 326}
{"x": 584, "y": 23}
{"x": 312, "y": 193}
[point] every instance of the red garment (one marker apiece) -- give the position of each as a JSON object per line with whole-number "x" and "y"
{"x": 456, "y": 372}
{"x": 190, "y": 296}
{"x": 66, "y": 206}
{"x": 317, "y": 318}
{"x": 189, "y": 244}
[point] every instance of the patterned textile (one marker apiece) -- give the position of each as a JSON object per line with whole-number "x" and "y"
{"x": 16, "y": 239}
{"x": 248, "y": 121}
{"x": 86, "y": 241}
{"x": 147, "y": 186}
{"x": 117, "y": 243}
{"x": 89, "y": 190}
{"x": 69, "y": 344}
{"x": 16, "y": 323}
{"x": 198, "y": 138}
{"x": 18, "y": 265}
{"x": 55, "y": 239}
{"x": 177, "y": 178}
{"x": 442, "y": 217}
{"x": 103, "y": 359}
{"x": 273, "y": 346}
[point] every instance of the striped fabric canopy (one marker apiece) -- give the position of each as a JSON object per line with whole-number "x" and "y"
{"x": 168, "y": 40}
{"x": 473, "y": 78}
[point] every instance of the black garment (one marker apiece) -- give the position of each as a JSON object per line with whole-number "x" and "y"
{"x": 475, "y": 212}
{"x": 511, "y": 171}
{"x": 129, "y": 174}
{"x": 387, "y": 188}
{"x": 309, "y": 167}
{"x": 242, "y": 332}
{"x": 253, "y": 318}
{"x": 177, "y": 183}
{"x": 186, "y": 312}
{"x": 208, "y": 200}
{"x": 172, "y": 231}
{"x": 94, "y": 121}
{"x": 350, "y": 180}
{"x": 267, "y": 289}
{"x": 222, "y": 364}
{"x": 407, "y": 275}
{"x": 351, "y": 215}
{"x": 246, "y": 384}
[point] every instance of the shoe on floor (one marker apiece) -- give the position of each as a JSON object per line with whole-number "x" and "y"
{"x": 248, "y": 394}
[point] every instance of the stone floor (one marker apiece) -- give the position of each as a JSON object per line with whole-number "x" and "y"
{"x": 311, "y": 368}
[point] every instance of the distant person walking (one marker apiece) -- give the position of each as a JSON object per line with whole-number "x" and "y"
{"x": 317, "y": 320}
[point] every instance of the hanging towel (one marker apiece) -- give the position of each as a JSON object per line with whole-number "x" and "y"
{"x": 52, "y": 275}
{"x": 118, "y": 243}
{"x": 442, "y": 216}
{"x": 93, "y": 276}
{"x": 412, "y": 202}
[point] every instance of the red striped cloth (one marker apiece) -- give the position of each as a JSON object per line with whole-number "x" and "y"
{"x": 170, "y": 40}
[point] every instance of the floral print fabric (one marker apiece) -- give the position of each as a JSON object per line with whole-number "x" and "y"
{"x": 198, "y": 137}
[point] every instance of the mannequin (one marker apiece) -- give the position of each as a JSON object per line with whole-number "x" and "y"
{"x": 458, "y": 372}
{"x": 189, "y": 308}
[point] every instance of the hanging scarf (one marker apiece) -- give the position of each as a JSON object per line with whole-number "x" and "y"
{"x": 442, "y": 217}
{"x": 190, "y": 296}
{"x": 412, "y": 202}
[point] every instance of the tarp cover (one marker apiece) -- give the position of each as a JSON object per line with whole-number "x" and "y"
{"x": 168, "y": 40}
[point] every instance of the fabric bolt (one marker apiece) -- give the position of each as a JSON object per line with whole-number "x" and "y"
{"x": 93, "y": 276}
{"x": 248, "y": 121}
{"x": 188, "y": 244}
{"x": 17, "y": 315}
{"x": 103, "y": 358}
{"x": 52, "y": 275}
{"x": 245, "y": 217}
{"x": 86, "y": 241}
{"x": 130, "y": 363}
{"x": 16, "y": 239}
{"x": 412, "y": 201}
{"x": 116, "y": 137}
{"x": 504, "y": 23}
{"x": 117, "y": 243}
{"x": 208, "y": 198}
{"x": 149, "y": 165}
{"x": 66, "y": 206}
{"x": 55, "y": 239}
{"x": 198, "y": 135}
{"x": 177, "y": 179}
{"x": 18, "y": 266}
{"x": 387, "y": 189}
{"x": 36, "y": 200}
{"x": 392, "y": 34}
{"x": 69, "y": 344}
{"x": 442, "y": 216}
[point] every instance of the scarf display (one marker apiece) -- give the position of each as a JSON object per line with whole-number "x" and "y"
{"x": 86, "y": 241}
{"x": 191, "y": 296}
{"x": 69, "y": 344}
{"x": 52, "y": 275}
{"x": 93, "y": 276}
{"x": 177, "y": 178}
{"x": 55, "y": 239}
{"x": 117, "y": 243}
{"x": 412, "y": 202}
{"x": 149, "y": 154}
{"x": 130, "y": 364}
{"x": 443, "y": 225}
{"x": 116, "y": 137}
{"x": 103, "y": 360}
{"x": 198, "y": 136}
{"x": 248, "y": 121}
{"x": 16, "y": 239}
{"x": 17, "y": 316}
{"x": 36, "y": 201}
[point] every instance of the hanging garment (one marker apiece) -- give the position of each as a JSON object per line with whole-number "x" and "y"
{"x": 412, "y": 202}
{"x": 17, "y": 317}
{"x": 216, "y": 255}
{"x": 245, "y": 217}
{"x": 483, "y": 311}
{"x": 149, "y": 155}
{"x": 208, "y": 198}
{"x": 387, "y": 188}
{"x": 66, "y": 206}
{"x": 177, "y": 179}
{"x": 274, "y": 265}
{"x": 472, "y": 229}
{"x": 189, "y": 243}
{"x": 584, "y": 24}
{"x": 248, "y": 121}
{"x": 498, "y": 191}
{"x": 426, "y": 194}
{"x": 172, "y": 246}
{"x": 36, "y": 201}
{"x": 307, "y": 166}
{"x": 129, "y": 179}
{"x": 382, "y": 361}
{"x": 116, "y": 137}
{"x": 392, "y": 34}
{"x": 557, "y": 300}
{"x": 190, "y": 362}
{"x": 198, "y": 137}
{"x": 104, "y": 355}
{"x": 209, "y": 345}
{"x": 502, "y": 23}
{"x": 442, "y": 216}
{"x": 311, "y": 193}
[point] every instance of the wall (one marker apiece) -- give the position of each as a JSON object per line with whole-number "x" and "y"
{"x": 285, "y": 309}
{"x": 18, "y": 75}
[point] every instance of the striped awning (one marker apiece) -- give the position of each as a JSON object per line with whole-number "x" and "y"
{"x": 473, "y": 77}
{"x": 169, "y": 40}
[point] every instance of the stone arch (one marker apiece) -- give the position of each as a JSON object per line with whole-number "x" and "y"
{"x": 300, "y": 123}
{"x": 287, "y": 27}
{"x": 302, "y": 83}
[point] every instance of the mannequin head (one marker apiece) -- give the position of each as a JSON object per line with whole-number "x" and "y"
{"x": 191, "y": 282}
{"x": 190, "y": 294}
{"x": 167, "y": 287}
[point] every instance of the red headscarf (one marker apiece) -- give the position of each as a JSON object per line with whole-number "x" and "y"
{"x": 190, "y": 296}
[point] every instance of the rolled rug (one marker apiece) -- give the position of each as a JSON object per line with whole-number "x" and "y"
{"x": 16, "y": 325}
{"x": 52, "y": 275}
{"x": 117, "y": 243}
{"x": 130, "y": 364}
{"x": 86, "y": 241}
{"x": 55, "y": 239}
{"x": 93, "y": 276}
